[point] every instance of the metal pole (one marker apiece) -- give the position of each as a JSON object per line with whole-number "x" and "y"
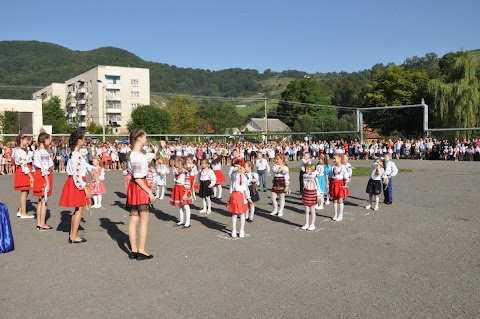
{"x": 266, "y": 120}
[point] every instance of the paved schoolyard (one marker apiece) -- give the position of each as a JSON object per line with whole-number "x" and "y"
{"x": 418, "y": 258}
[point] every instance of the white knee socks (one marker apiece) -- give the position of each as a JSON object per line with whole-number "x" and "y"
{"x": 376, "y": 201}
{"x": 181, "y": 217}
{"x": 307, "y": 217}
{"x": 187, "y": 215}
{"x": 219, "y": 192}
{"x": 274, "y": 202}
{"x": 282, "y": 202}
{"x": 340, "y": 213}
{"x": 94, "y": 200}
{"x": 99, "y": 200}
{"x": 234, "y": 225}
{"x": 242, "y": 225}
{"x": 335, "y": 208}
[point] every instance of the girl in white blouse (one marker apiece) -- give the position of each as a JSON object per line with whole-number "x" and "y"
{"x": 75, "y": 191}
{"x": 43, "y": 180}
{"x": 339, "y": 178}
{"x": 207, "y": 180}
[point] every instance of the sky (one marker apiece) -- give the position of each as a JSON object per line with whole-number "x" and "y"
{"x": 312, "y": 36}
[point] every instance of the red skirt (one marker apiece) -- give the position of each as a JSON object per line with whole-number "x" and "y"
{"x": 21, "y": 181}
{"x": 236, "y": 203}
{"x": 136, "y": 195}
{"x": 219, "y": 176}
{"x": 39, "y": 183}
{"x": 72, "y": 196}
{"x": 309, "y": 197}
{"x": 97, "y": 188}
{"x": 336, "y": 190}
{"x": 176, "y": 199}
{"x": 192, "y": 180}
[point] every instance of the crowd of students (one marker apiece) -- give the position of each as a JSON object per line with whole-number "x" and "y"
{"x": 195, "y": 169}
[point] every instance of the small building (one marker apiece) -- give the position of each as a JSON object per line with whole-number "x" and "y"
{"x": 258, "y": 125}
{"x": 47, "y": 93}
{"x": 29, "y": 112}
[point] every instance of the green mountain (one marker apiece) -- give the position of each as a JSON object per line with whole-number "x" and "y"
{"x": 27, "y": 64}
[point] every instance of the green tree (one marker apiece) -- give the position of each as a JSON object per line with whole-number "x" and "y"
{"x": 304, "y": 91}
{"x": 184, "y": 115}
{"x": 10, "y": 122}
{"x": 54, "y": 115}
{"x": 153, "y": 119}
{"x": 456, "y": 96}
{"x": 94, "y": 128}
{"x": 219, "y": 116}
{"x": 397, "y": 86}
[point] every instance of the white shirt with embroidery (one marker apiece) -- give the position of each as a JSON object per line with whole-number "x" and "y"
{"x": 42, "y": 161}
{"x": 21, "y": 159}
{"x": 77, "y": 167}
{"x": 139, "y": 163}
{"x": 281, "y": 171}
{"x": 207, "y": 175}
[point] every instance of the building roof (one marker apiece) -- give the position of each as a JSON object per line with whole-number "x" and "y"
{"x": 274, "y": 125}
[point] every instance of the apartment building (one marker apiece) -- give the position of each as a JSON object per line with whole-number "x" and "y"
{"x": 105, "y": 95}
{"x": 54, "y": 89}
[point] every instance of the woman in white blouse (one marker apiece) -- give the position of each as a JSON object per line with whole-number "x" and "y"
{"x": 139, "y": 195}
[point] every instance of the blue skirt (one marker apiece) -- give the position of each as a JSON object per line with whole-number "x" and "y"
{"x": 6, "y": 236}
{"x": 322, "y": 183}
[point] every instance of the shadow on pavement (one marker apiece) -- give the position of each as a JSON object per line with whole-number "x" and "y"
{"x": 116, "y": 234}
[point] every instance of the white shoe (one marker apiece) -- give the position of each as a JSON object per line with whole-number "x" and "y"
{"x": 368, "y": 207}
{"x": 219, "y": 198}
{"x": 160, "y": 198}
{"x": 203, "y": 211}
{"x": 18, "y": 214}
{"x": 312, "y": 227}
{"x": 242, "y": 234}
{"x": 327, "y": 202}
{"x": 375, "y": 208}
{"x": 26, "y": 216}
{"x": 273, "y": 213}
{"x": 99, "y": 206}
{"x": 234, "y": 234}
{"x": 280, "y": 214}
{"x": 334, "y": 218}
{"x": 209, "y": 212}
{"x": 157, "y": 197}
{"x": 320, "y": 207}
{"x": 340, "y": 218}
{"x": 304, "y": 227}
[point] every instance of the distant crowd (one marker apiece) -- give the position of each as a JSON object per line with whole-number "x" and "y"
{"x": 113, "y": 154}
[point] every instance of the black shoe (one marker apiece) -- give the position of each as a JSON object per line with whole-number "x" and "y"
{"x": 388, "y": 203}
{"x": 249, "y": 220}
{"x": 178, "y": 225}
{"x": 141, "y": 256}
{"x": 71, "y": 241}
{"x": 132, "y": 255}
{"x": 185, "y": 227}
{"x": 264, "y": 190}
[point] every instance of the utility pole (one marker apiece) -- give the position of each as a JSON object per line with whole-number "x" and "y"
{"x": 266, "y": 120}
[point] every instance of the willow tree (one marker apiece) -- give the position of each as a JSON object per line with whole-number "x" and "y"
{"x": 456, "y": 96}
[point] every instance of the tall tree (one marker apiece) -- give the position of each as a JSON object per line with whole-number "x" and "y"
{"x": 153, "y": 119}
{"x": 54, "y": 115}
{"x": 184, "y": 115}
{"x": 10, "y": 122}
{"x": 219, "y": 116}
{"x": 397, "y": 86}
{"x": 456, "y": 96}
{"x": 304, "y": 91}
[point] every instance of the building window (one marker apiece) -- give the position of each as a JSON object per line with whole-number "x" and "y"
{"x": 134, "y": 82}
{"x": 134, "y": 106}
{"x": 111, "y": 93}
{"x": 135, "y": 94}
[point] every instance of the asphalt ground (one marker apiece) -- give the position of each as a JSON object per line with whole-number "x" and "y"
{"x": 418, "y": 258}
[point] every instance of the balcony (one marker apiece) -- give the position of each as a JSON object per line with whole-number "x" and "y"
{"x": 112, "y": 86}
{"x": 82, "y": 113}
{"x": 72, "y": 94}
{"x": 81, "y": 102}
{"x": 72, "y": 115}
{"x": 114, "y": 111}
{"x": 72, "y": 104}
{"x": 115, "y": 122}
{"x": 82, "y": 124}
{"x": 114, "y": 98}
{"x": 81, "y": 90}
